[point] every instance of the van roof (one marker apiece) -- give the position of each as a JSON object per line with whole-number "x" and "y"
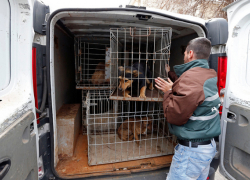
{"x": 181, "y": 16}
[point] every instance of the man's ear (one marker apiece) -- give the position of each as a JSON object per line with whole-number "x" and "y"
{"x": 190, "y": 55}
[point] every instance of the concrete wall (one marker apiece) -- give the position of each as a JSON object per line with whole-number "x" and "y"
{"x": 64, "y": 68}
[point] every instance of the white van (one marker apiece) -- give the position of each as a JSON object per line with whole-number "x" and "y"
{"x": 58, "y": 123}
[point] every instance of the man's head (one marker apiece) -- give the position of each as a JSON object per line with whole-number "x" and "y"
{"x": 198, "y": 48}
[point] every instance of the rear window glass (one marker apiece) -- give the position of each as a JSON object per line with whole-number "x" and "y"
{"x": 5, "y": 44}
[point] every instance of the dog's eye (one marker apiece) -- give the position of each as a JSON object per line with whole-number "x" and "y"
{"x": 126, "y": 80}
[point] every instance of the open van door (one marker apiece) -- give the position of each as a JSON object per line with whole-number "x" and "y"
{"x": 235, "y": 137}
{"x": 18, "y": 120}
{"x": 18, "y": 145}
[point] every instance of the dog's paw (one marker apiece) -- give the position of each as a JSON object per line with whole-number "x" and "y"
{"x": 142, "y": 96}
{"x": 151, "y": 87}
{"x": 127, "y": 95}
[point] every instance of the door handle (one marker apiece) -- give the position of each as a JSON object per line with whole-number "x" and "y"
{"x": 4, "y": 167}
{"x": 231, "y": 117}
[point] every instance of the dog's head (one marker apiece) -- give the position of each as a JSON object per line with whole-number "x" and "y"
{"x": 146, "y": 125}
{"x": 126, "y": 76}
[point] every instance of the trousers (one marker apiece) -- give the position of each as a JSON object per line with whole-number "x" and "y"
{"x": 191, "y": 163}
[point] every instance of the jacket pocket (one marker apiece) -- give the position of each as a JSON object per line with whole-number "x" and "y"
{"x": 197, "y": 163}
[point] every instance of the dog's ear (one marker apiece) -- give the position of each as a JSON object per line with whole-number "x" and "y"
{"x": 121, "y": 68}
{"x": 135, "y": 73}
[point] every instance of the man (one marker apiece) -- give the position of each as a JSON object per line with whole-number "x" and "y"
{"x": 191, "y": 108}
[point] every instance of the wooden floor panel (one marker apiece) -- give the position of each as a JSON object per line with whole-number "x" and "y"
{"x": 78, "y": 164}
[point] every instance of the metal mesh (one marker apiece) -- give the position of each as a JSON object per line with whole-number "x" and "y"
{"x": 91, "y": 65}
{"x": 104, "y": 118}
{"x": 146, "y": 50}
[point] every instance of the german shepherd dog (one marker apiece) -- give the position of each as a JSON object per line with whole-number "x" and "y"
{"x": 133, "y": 76}
{"x": 131, "y": 130}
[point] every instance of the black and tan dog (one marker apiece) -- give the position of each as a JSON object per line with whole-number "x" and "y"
{"x": 131, "y": 77}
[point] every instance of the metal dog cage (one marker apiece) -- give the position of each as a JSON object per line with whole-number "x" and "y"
{"x": 146, "y": 50}
{"x": 92, "y": 65}
{"x": 122, "y": 128}
{"x": 103, "y": 119}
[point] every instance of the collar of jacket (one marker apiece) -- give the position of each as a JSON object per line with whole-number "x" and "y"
{"x": 180, "y": 69}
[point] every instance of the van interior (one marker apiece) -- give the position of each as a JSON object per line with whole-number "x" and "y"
{"x": 90, "y": 51}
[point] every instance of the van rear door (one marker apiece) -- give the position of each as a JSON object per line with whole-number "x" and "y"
{"x": 235, "y": 137}
{"x": 18, "y": 132}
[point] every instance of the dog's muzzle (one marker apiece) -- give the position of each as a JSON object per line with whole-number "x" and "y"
{"x": 120, "y": 89}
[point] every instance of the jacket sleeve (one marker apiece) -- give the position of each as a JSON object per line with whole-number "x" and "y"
{"x": 180, "y": 102}
{"x": 173, "y": 77}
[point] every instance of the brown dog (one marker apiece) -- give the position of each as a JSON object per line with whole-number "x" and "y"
{"x": 132, "y": 128}
{"x": 98, "y": 76}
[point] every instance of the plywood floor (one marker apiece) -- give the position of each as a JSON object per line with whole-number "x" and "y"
{"x": 113, "y": 149}
{"x": 78, "y": 164}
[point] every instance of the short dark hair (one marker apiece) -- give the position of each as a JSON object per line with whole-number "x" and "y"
{"x": 200, "y": 46}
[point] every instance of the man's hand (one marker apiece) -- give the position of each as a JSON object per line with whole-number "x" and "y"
{"x": 163, "y": 85}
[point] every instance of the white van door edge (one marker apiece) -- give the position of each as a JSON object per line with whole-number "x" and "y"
{"x": 235, "y": 143}
{"x": 18, "y": 130}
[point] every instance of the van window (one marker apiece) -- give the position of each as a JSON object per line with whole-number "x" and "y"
{"x": 5, "y": 44}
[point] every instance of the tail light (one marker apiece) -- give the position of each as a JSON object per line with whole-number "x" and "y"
{"x": 34, "y": 78}
{"x": 222, "y": 74}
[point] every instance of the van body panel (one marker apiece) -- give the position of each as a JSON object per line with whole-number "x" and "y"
{"x": 235, "y": 149}
{"x": 5, "y": 44}
{"x": 18, "y": 126}
{"x": 20, "y": 149}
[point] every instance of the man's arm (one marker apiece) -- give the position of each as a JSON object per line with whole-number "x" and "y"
{"x": 171, "y": 74}
{"x": 180, "y": 103}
